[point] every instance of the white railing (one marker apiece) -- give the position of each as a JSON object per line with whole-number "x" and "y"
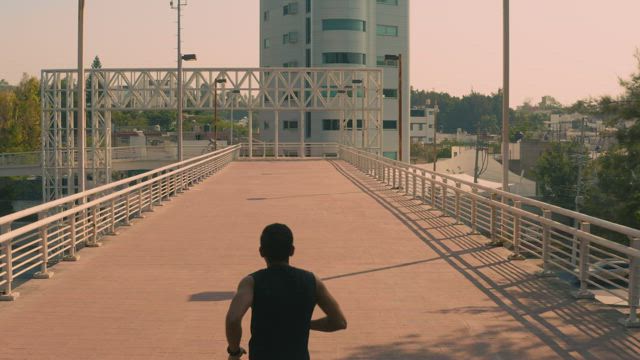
{"x": 64, "y": 226}
{"x": 288, "y": 150}
{"x": 32, "y": 158}
{"x": 530, "y": 228}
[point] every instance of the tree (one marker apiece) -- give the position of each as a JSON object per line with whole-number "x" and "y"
{"x": 615, "y": 194}
{"x": 96, "y": 64}
{"x": 20, "y": 116}
{"x": 556, "y": 173}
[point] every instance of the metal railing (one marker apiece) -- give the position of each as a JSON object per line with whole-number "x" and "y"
{"x": 530, "y": 228}
{"x": 32, "y": 158}
{"x": 288, "y": 150}
{"x": 64, "y": 226}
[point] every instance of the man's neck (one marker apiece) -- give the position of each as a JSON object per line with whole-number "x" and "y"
{"x": 278, "y": 263}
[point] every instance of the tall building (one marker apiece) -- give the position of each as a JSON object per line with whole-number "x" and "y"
{"x": 339, "y": 33}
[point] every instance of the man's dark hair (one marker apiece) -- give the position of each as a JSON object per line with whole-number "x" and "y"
{"x": 276, "y": 242}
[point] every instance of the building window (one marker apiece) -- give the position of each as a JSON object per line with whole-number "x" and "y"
{"x": 430, "y": 126}
{"x": 290, "y": 9}
{"x": 349, "y": 124}
{"x": 290, "y": 64}
{"x": 421, "y": 127}
{"x": 386, "y": 30}
{"x": 330, "y": 124}
{"x": 307, "y": 123}
{"x": 308, "y": 57}
{"x": 344, "y": 58}
{"x": 267, "y": 15}
{"x": 382, "y": 61}
{"x": 290, "y": 38}
{"x": 388, "y": 2}
{"x": 417, "y": 112}
{"x": 393, "y": 155}
{"x": 267, "y": 43}
{"x": 390, "y": 124}
{"x": 265, "y": 125}
{"x": 308, "y": 30}
{"x": 390, "y": 93}
{"x": 289, "y": 124}
{"x": 308, "y": 6}
{"x": 344, "y": 24}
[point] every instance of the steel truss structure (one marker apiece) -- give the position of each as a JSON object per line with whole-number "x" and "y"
{"x": 273, "y": 90}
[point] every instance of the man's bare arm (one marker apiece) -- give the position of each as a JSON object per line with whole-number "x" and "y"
{"x": 335, "y": 319}
{"x": 238, "y": 308}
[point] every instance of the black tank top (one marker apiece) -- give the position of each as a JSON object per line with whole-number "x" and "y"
{"x": 283, "y": 302}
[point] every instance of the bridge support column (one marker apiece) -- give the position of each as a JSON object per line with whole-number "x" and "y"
{"x": 301, "y": 127}
{"x": 634, "y": 288}
{"x": 6, "y": 293}
{"x": 250, "y": 134}
{"x": 276, "y": 145}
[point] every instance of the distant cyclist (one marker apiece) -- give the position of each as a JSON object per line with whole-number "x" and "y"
{"x": 282, "y": 299}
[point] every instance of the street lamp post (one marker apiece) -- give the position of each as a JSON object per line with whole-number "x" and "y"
{"x": 82, "y": 124}
{"x": 398, "y": 58}
{"x": 234, "y": 93}
{"x": 505, "y": 98}
{"x": 215, "y": 111}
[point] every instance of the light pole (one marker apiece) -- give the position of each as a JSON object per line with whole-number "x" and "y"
{"x": 435, "y": 134}
{"x": 356, "y": 83}
{"x": 82, "y": 124}
{"x": 398, "y": 58}
{"x": 234, "y": 93}
{"x": 505, "y": 98}
{"x": 215, "y": 111}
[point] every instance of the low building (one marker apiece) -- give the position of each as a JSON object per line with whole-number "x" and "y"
{"x": 422, "y": 125}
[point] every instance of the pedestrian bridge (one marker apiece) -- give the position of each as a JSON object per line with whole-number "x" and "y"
{"x": 145, "y": 267}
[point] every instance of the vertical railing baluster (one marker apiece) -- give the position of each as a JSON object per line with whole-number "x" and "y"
{"x": 73, "y": 240}
{"x": 112, "y": 218}
{"x": 94, "y": 226}
{"x": 474, "y": 210}
{"x": 517, "y": 223}
{"x": 546, "y": 246}
{"x": 495, "y": 237}
{"x": 457, "y": 201}
{"x": 43, "y": 232}
{"x": 632, "y": 321}
{"x": 583, "y": 266}
{"x": 7, "y": 293}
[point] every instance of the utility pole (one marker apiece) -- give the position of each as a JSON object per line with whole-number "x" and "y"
{"x": 82, "y": 123}
{"x": 400, "y": 144}
{"x": 476, "y": 171}
{"x": 435, "y": 133}
{"x": 178, "y": 6}
{"x": 505, "y": 98}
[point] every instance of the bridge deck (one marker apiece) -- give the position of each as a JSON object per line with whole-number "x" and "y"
{"x": 412, "y": 284}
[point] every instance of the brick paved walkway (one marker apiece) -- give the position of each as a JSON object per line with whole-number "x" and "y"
{"x": 412, "y": 284}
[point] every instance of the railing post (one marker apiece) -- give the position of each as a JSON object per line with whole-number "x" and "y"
{"x": 424, "y": 187}
{"x": 406, "y": 181}
{"x": 415, "y": 183}
{"x": 140, "y": 210}
{"x": 495, "y": 239}
{"x": 432, "y": 191}
{"x": 474, "y": 211}
{"x": 517, "y": 223}
{"x": 634, "y": 288}
{"x": 94, "y": 234}
{"x": 584, "y": 292}
{"x": 444, "y": 196}
{"x": 394, "y": 178}
{"x": 112, "y": 218}
{"x": 546, "y": 247}
{"x": 72, "y": 256}
{"x": 457, "y": 199}
{"x": 7, "y": 294}
{"x": 44, "y": 272}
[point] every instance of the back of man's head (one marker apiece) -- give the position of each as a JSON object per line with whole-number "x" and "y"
{"x": 276, "y": 242}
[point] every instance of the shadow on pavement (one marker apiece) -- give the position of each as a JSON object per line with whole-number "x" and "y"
{"x": 212, "y": 296}
{"x": 571, "y": 329}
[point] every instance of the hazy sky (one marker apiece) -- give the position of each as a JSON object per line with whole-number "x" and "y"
{"x": 570, "y": 49}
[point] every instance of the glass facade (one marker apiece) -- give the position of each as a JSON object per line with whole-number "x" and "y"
{"x": 344, "y": 24}
{"x": 387, "y": 30}
{"x": 388, "y": 2}
{"x": 390, "y": 124}
{"x": 390, "y": 93}
{"x": 344, "y": 58}
{"x": 330, "y": 124}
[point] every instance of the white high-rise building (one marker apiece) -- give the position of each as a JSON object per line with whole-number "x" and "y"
{"x": 339, "y": 33}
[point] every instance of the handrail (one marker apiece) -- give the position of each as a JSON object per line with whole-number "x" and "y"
{"x": 57, "y": 234}
{"x": 67, "y": 199}
{"x": 631, "y": 232}
{"x": 595, "y": 260}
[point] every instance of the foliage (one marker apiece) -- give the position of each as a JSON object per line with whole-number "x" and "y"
{"x": 557, "y": 173}
{"x": 96, "y": 64}
{"x": 20, "y": 116}
{"x": 615, "y": 195}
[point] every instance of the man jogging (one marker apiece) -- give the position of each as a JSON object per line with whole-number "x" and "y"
{"x": 282, "y": 299}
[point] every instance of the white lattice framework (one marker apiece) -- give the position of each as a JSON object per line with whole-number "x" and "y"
{"x": 261, "y": 89}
